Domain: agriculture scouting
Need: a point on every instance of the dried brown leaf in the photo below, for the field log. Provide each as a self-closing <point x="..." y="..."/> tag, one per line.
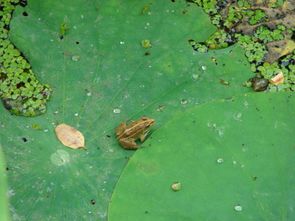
<point x="278" y="79"/>
<point x="289" y="5"/>
<point x="277" y="49"/>
<point x="69" y="136"/>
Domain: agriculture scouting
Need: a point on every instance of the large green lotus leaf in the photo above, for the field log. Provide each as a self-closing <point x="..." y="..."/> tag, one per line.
<point x="3" y="190"/>
<point x="101" y="75"/>
<point x="234" y="159"/>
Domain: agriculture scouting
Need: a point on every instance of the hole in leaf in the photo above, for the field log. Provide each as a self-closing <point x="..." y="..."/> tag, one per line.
<point x="25" y="14"/>
<point x="93" y="202"/>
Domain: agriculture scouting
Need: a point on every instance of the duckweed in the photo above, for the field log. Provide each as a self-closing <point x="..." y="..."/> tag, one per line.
<point x="146" y="43"/>
<point x="20" y="90"/>
<point x="265" y="30"/>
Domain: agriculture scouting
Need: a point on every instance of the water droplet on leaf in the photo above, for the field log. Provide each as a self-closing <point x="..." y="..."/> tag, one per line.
<point x="160" y="108"/>
<point x="219" y="160"/>
<point x="238" y="208"/>
<point x="204" y="68"/>
<point x="117" y="111"/>
<point x="75" y="58"/>
<point x="195" y="76"/>
<point x="183" y="101"/>
<point x="176" y="186"/>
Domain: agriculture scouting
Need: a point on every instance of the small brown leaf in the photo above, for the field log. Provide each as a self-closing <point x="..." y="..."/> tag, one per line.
<point x="288" y="5"/>
<point x="277" y="49"/>
<point x="278" y="79"/>
<point x="69" y="136"/>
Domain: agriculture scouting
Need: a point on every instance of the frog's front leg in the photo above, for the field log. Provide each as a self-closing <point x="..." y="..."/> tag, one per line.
<point x="128" y="143"/>
<point x="144" y="135"/>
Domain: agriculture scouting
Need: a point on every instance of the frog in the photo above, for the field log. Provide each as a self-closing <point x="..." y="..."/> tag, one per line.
<point x="128" y="134"/>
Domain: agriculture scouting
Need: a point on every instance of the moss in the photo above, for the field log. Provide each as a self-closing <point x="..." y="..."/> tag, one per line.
<point x="20" y="90"/>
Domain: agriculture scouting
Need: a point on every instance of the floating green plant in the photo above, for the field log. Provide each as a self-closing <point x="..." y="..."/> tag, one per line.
<point x="265" y="30"/>
<point x="20" y="90"/>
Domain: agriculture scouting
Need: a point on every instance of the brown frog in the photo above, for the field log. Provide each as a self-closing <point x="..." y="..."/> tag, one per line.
<point x="128" y="134"/>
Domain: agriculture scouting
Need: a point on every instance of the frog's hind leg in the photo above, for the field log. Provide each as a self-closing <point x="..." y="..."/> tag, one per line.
<point x="128" y="143"/>
<point x="120" y="129"/>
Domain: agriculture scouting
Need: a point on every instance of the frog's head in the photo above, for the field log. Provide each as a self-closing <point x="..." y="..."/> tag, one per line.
<point x="147" y="121"/>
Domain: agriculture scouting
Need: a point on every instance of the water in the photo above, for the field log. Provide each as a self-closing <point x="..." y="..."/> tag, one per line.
<point x="238" y="208"/>
<point x="116" y="111"/>
<point x="220" y="160"/>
